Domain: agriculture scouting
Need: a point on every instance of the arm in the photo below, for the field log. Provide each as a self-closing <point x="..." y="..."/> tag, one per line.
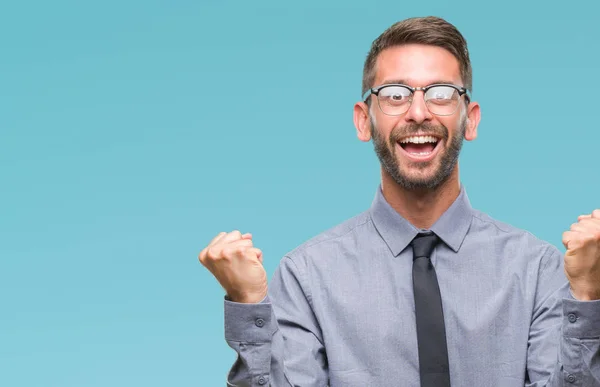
<point x="564" y="338"/>
<point x="278" y="341"/>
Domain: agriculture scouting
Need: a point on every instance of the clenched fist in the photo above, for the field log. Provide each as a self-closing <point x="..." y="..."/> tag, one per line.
<point x="582" y="259"/>
<point x="237" y="265"/>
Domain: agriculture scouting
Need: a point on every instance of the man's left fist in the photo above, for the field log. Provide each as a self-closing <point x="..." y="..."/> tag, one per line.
<point x="582" y="259"/>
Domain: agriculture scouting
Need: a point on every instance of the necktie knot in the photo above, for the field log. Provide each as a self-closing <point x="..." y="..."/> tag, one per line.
<point x="423" y="244"/>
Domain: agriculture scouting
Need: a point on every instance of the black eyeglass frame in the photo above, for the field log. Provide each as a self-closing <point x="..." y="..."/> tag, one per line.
<point x="375" y="91"/>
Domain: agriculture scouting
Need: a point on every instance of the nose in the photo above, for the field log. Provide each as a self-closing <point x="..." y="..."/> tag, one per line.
<point x="418" y="111"/>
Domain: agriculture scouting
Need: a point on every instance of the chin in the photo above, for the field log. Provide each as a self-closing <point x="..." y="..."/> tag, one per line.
<point x="411" y="177"/>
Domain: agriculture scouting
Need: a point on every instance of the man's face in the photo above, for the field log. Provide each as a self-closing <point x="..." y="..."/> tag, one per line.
<point x="418" y="149"/>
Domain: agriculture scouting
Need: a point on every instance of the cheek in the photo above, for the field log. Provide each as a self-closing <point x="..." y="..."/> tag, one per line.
<point x="454" y="125"/>
<point x="382" y="126"/>
<point x="386" y="124"/>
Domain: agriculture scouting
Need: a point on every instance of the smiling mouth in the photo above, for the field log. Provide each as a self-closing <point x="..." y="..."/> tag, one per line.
<point x="422" y="145"/>
<point x="420" y="148"/>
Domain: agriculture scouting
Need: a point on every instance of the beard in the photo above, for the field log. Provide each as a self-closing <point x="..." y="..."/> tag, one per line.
<point x="386" y="152"/>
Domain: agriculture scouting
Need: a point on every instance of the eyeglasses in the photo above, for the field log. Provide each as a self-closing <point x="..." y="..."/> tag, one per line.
<point x="441" y="99"/>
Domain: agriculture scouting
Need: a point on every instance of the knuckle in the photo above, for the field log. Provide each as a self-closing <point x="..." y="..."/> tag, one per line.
<point x="212" y="253"/>
<point x="227" y="252"/>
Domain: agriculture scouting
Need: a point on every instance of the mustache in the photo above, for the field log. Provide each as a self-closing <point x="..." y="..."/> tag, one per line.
<point x="409" y="130"/>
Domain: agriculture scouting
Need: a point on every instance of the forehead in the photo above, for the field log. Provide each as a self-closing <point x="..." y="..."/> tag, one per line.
<point x="417" y="65"/>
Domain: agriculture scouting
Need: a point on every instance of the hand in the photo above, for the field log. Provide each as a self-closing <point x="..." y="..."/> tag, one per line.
<point x="582" y="259"/>
<point x="237" y="265"/>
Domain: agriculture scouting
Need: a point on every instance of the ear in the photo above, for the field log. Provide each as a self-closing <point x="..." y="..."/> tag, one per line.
<point x="362" y="122"/>
<point x="473" y="118"/>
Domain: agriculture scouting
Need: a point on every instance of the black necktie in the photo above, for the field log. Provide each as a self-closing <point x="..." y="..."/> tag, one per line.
<point x="431" y="332"/>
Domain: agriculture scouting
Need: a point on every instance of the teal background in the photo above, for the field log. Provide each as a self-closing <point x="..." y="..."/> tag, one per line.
<point x="132" y="132"/>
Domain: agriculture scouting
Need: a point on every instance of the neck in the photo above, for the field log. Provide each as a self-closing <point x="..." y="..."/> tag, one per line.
<point x="422" y="208"/>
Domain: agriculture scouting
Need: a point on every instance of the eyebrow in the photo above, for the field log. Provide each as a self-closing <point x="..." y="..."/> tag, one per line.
<point x="405" y="82"/>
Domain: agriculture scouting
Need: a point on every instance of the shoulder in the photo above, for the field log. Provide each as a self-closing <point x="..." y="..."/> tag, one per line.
<point x="504" y="235"/>
<point x="334" y="239"/>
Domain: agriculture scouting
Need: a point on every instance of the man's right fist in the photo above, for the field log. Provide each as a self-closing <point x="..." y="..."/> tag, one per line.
<point x="237" y="265"/>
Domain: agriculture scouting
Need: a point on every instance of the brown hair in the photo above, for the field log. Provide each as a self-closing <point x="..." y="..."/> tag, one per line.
<point x="429" y="30"/>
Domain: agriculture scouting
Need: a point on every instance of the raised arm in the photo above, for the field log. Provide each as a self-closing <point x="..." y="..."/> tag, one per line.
<point x="564" y="341"/>
<point x="274" y="332"/>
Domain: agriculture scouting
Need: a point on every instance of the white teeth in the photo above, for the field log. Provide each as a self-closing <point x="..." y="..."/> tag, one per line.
<point x="419" y="139"/>
<point x="420" y="153"/>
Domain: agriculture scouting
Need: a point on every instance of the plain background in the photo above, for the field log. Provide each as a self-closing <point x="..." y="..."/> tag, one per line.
<point x="132" y="132"/>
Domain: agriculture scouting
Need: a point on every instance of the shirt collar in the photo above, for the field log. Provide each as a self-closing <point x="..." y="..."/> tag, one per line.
<point x="397" y="232"/>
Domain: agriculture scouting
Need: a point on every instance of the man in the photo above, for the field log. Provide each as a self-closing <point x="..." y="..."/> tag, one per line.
<point x="421" y="289"/>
